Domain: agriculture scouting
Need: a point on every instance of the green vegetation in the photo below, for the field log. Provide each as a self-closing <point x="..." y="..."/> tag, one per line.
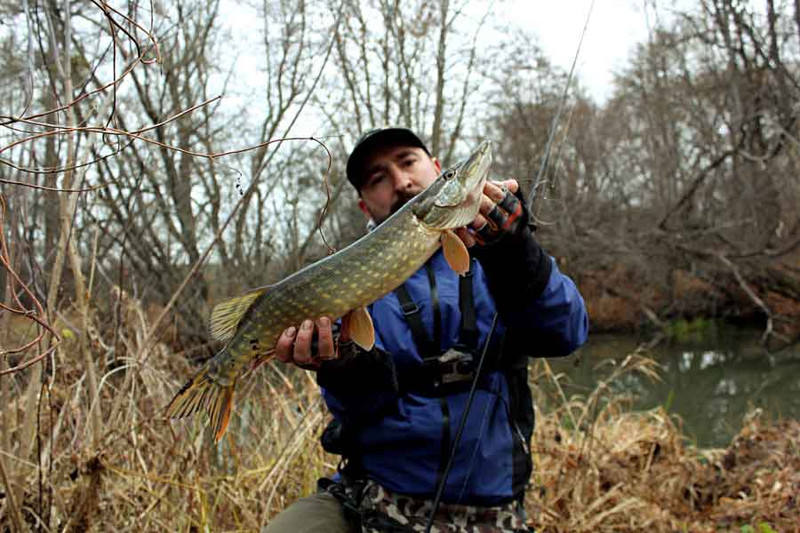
<point x="762" y="527"/>
<point x="694" y="330"/>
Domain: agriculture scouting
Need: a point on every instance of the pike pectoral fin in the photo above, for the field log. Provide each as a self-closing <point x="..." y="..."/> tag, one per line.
<point x="203" y="393"/>
<point x="357" y="325"/>
<point x="455" y="251"/>
<point x="226" y="316"/>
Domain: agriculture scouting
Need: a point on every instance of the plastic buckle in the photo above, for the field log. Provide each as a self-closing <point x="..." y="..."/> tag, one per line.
<point x="455" y="366"/>
<point x="409" y="309"/>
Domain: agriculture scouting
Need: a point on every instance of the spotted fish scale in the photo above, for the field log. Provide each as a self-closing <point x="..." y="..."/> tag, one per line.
<point x="340" y="285"/>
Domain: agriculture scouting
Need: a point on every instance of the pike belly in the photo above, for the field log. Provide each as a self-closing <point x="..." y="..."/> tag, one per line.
<point x="351" y="278"/>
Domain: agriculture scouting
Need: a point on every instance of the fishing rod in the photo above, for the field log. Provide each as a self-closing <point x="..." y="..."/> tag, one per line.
<point x="461" y="424"/>
<point x="557" y="117"/>
<point x="539" y="177"/>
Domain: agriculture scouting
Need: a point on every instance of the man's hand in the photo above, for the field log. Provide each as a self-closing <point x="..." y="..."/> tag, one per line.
<point x="499" y="213"/>
<point x="297" y="345"/>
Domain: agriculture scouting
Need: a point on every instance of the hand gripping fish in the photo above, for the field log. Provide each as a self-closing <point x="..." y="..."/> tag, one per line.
<point x="340" y="285"/>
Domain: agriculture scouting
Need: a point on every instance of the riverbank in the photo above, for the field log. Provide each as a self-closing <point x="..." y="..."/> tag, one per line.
<point x="637" y="474"/>
<point x="624" y="300"/>
<point x="711" y="375"/>
<point x="635" y="471"/>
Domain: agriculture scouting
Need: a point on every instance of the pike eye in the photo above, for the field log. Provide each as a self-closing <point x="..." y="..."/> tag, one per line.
<point x="450" y="174"/>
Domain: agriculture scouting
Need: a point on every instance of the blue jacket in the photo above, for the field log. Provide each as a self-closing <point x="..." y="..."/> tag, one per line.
<point x="402" y="439"/>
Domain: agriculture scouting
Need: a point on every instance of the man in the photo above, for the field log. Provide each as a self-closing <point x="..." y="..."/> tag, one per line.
<point x="397" y="409"/>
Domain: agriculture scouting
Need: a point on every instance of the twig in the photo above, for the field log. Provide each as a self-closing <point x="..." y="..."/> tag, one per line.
<point x="751" y="293"/>
<point x="116" y="81"/>
<point x="699" y="179"/>
<point x="38" y="316"/>
<point x="16" y="517"/>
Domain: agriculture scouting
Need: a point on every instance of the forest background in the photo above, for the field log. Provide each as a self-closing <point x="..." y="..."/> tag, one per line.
<point x="144" y="178"/>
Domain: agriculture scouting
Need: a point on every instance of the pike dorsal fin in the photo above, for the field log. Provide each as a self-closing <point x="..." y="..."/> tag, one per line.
<point x="455" y="251"/>
<point x="357" y="325"/>
<point x="226" y="315"/>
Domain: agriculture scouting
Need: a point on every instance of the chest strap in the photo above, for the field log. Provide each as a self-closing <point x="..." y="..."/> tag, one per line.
<point x="413" y="316"/>
<point x="468" y="331"/>
<point x="443" y="371"/>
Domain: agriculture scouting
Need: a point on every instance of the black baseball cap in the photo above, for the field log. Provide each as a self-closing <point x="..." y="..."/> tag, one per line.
<point x="376" y="137"/>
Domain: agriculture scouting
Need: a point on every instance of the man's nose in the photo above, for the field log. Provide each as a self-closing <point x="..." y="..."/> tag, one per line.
<point x="401" y="180"/>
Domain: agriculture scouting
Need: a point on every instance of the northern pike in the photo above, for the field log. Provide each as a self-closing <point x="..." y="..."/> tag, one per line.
<point x="340" y="285"/>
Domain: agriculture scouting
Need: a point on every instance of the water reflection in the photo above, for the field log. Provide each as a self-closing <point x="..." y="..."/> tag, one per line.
<point x="710" y="382"/>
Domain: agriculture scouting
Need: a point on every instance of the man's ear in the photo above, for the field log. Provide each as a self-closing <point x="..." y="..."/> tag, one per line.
<point x="437" y="164"/>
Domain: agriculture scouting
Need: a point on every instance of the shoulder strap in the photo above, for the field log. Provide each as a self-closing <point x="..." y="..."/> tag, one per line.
<point x="468" y="331"/>
<point x="437" y="313"/>
<point x="412" y="314"/>
<point x="468" y="334"/>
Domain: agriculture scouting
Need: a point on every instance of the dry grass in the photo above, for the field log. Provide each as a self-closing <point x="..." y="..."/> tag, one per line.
<point x="147" y="473"/>
<point x="599" y="468"/>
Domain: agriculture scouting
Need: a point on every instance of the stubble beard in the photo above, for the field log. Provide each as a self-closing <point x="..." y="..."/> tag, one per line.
<point x="403" y="198"/>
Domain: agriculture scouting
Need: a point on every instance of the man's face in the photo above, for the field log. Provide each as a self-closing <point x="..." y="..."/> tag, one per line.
<point x="393" y="175"/>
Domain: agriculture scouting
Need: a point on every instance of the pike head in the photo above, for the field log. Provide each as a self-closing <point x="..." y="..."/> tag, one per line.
<point x="453" y="200"/>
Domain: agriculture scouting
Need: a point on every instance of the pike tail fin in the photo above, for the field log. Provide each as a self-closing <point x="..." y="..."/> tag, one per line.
<point x="203" y="393"/>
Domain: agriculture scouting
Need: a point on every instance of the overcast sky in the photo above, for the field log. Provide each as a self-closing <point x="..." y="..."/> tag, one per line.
<point x="615" y="27"/>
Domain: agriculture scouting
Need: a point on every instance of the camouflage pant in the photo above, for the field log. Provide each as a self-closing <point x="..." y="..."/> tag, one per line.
<point x="333" y="510"/>
<point x="384" y="511"/>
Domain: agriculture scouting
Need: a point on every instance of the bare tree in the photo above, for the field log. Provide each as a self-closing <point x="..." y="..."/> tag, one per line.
<point x="685" y="172"/>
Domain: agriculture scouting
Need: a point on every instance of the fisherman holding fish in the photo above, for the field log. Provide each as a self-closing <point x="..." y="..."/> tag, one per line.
<point x="444" y="344"/>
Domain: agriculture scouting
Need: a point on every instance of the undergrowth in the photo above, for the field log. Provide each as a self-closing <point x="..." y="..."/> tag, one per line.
<point x="598" y="466"/>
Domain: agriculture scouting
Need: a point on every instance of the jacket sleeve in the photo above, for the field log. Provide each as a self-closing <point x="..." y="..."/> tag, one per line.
<point x="532" y="296"/>
<point x="360" y="386"/>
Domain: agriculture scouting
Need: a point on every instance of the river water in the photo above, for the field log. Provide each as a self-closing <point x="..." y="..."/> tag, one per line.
<point x="709" y="379"/>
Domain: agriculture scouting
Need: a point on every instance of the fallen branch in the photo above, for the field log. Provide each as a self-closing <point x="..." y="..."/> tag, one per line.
<point x="768" y="331"/>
